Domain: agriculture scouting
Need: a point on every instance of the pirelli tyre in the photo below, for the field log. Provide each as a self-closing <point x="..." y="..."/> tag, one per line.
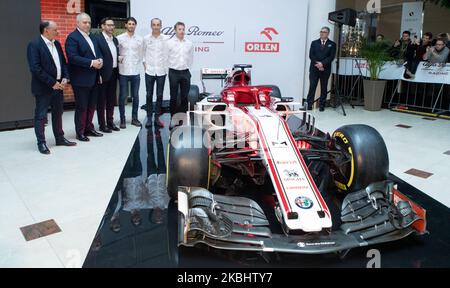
<point x="188" y="159"/>
<point x="369" y="159"/>
<point x="193" y="97"/>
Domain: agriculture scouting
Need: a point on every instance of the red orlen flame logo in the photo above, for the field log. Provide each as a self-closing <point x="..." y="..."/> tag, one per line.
<point x="267" y="31"/>
<point x="264" y="47"/>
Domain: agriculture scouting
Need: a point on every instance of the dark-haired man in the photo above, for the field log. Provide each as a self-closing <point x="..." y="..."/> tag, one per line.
<point x="438" y="53"/>
<point x="155" y="63"/>
<point x="321" y="54"/>
<point x="49" y="76"/>
<point x="130" y="59"/>
<point x="109" y="46"/>
<point x="180" y="58"/>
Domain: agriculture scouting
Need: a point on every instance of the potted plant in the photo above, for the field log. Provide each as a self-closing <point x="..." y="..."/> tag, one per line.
<point x="376" y="54"/>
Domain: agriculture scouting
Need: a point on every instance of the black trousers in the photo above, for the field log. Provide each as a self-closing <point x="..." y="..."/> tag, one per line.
<point x="56" y="101"/>
<point x="85" y="106"/>
<point x="150" y="85"/>
<point x="107" y="98"/>
<point x="314" y="77"/>
<point x="180" y="80"/>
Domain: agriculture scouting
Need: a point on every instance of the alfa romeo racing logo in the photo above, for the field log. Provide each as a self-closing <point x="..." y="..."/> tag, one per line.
<point x="303" y="202"/>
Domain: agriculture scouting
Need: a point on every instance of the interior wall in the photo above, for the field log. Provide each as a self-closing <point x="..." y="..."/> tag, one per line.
<point x="21" y="18"/>
<point x="436" y="18"/>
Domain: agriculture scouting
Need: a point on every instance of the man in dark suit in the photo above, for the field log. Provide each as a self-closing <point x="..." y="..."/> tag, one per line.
<point x="109" y="47"/>
<point x="322" y="54"/>
<point x="85" y="62"/>
<point x="49" y="76"/>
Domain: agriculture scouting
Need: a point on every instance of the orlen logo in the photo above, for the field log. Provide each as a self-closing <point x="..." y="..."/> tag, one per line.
<point x="264" y="47"/>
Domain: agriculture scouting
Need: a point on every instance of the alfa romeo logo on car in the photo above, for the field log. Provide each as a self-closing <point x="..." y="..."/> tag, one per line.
<point x="303" y="202"/>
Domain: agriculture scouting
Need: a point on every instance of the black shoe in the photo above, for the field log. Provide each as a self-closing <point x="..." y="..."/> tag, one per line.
<point x="309" y="107"/>
<point x="148" y="124"/>
<point x="65" y="142"/>
<point x="83" y="138"/>
<point x="321" y="109"/>
<point x="144" y="107"/>
<point x="136" y="123"/>
<point x="113" y="127"/>
<point x="122" y="124"/>
<point x="105" y="130"/>
<point x="43" y="149"/>
<point x="93" y="133"/>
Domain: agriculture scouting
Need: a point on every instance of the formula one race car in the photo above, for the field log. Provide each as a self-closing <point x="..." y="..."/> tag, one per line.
<point x="250" y="171"/>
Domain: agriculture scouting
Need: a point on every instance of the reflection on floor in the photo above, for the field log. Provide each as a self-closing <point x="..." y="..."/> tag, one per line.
<point x="73" y="187"/>
<point x="139" y="228"/>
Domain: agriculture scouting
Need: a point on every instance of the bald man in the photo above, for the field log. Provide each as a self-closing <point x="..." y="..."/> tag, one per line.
<point x="49" y="77"/>
<point x="85" y="61"/>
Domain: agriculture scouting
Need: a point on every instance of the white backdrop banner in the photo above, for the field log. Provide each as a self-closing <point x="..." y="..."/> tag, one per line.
<point x="412" y="18"/>
<point x="268" y="34"/>
<point x="426" y="72"/>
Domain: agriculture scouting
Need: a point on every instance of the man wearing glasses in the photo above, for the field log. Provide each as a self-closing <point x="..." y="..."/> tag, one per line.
<point x="109" y="45"/>
<point x="321" y="53"/>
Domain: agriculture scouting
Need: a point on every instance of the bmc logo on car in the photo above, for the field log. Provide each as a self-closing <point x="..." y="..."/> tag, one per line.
<point x="264" y="47"/>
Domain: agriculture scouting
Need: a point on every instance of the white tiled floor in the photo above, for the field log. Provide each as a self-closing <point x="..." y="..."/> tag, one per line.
<point x="73" y="185"/>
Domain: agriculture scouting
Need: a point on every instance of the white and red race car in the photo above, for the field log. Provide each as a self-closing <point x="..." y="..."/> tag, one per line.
<point x="250" y="171"/>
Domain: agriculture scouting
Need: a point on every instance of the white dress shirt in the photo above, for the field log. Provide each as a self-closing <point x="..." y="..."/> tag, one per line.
<point x="89" y="41"/>
<point x="181" y="53"/>
<point x="131" y="49"/>
<point x="54" y="52"/>
<point x="112" y="48"/>
<point x="155" y="55"/>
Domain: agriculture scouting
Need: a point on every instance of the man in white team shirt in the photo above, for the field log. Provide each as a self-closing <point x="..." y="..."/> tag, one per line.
<point x="155" y="65"/>
<point x="180" y="58"/>
<point x="130" y="59"/>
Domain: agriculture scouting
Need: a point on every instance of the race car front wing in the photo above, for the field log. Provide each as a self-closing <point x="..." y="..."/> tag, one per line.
<point x="374" y="215"/>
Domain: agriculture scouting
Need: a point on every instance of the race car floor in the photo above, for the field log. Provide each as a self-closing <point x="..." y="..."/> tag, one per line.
<point x="131" y="233"/>
<point x="81" y="189"/>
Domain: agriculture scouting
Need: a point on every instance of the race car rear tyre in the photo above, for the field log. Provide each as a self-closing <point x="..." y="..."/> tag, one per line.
<point x="193" y="97"/>
<point x="188" y="159"/>
<point x="369" y="161"/>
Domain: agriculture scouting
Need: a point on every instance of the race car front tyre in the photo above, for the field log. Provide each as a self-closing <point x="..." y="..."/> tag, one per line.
<point x="369" y="159"/>
<point x="188" y="159"/>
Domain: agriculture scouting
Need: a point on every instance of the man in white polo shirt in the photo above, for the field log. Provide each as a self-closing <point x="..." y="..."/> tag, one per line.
<point x="155" y="64"/>
<point x="130" y="59"/>
<point x="180" y="58"/>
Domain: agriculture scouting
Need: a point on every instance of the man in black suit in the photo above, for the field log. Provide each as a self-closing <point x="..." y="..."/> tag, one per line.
<point x="109" y="47"/>
<point x="85" y="62"/>
<point x="49" y="76"/>
<point x="322" y="54"/>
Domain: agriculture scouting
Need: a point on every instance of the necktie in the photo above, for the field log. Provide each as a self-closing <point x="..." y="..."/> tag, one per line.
<point x="323" y="44"/>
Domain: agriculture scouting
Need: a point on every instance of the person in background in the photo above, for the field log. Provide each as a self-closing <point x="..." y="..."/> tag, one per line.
<point x="380" y="38"/>
<point x="155" y="65"/>
<point x="130" y="59"/>
<point x="438" y="53"/>
<point x="85" y="62"/>
<point x="49" y="77"/>
<point x="180" y="58"/>
<point x="322" y="54"/>
<point x="109" y="46"/>
<point x="404" y="48"/>
<point x="421" y="49"/>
